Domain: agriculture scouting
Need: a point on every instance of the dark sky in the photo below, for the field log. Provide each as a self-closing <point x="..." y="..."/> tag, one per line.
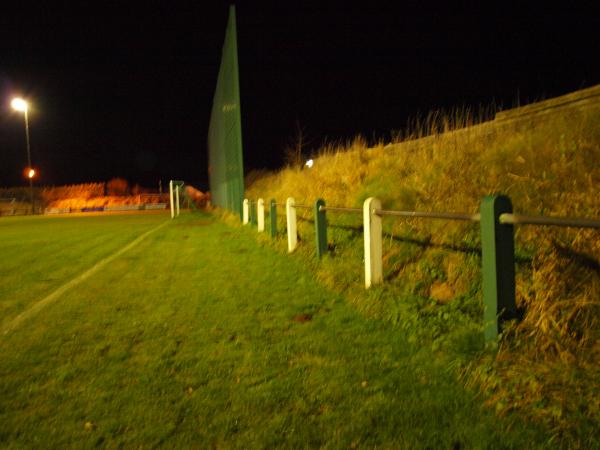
<point x="125" y="89"/>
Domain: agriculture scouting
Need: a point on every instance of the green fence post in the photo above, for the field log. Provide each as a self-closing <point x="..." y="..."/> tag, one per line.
<point x="320" y="228"/>
<point x="498" y="265"/>
<point x="253" y="212"/>
<point x="273" y="215"/>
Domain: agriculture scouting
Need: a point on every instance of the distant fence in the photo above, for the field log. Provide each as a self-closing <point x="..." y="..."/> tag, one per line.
<point x="12" y="206"/>
<point x="496" y="221"/>
<point x="20" y="210"/>
<point x="142" y="207"/>
<point x="8" y="206"/>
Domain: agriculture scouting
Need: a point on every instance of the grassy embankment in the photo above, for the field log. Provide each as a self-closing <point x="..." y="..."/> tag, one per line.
<point x="199" y="338"/>
<point x="548" y="365"/>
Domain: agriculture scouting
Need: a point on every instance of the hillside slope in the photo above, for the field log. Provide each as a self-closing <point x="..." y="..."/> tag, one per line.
<point x="546" y="157"/>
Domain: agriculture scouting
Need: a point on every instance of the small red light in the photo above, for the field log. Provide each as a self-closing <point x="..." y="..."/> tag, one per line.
<point x="29" y="172"/>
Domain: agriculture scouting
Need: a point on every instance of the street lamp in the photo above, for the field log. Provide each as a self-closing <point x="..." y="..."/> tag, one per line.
<point x="21" y="105"/>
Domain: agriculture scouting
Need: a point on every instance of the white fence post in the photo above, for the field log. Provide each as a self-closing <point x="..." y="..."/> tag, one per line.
<point x="171" y="198"/>
<point x="373" y="246"/>
<point x="177" y="199"/>
<point x="260" y="209"/>
<point x="290" y="214"/>
<point x="245" y="212"/>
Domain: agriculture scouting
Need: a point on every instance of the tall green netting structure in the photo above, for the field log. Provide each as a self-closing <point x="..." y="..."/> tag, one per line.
<point x="226" y="165"/>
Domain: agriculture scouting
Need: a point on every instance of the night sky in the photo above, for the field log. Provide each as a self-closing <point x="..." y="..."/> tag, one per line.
<point x="125" y="89"/>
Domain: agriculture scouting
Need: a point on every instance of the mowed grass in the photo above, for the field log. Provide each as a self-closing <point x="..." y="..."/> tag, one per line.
<point x="41" y="253"/>
<point x="199" y="337"/>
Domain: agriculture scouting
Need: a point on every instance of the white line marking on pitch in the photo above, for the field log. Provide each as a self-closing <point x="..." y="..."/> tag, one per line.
<point x="37" y="307"/>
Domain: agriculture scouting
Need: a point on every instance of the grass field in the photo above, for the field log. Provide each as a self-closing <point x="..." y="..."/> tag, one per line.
<point x="200" y="337"/>
<point x="41" y="254"/>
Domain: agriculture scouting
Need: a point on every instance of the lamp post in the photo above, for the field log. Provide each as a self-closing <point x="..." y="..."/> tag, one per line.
<point x="21" y="105"/>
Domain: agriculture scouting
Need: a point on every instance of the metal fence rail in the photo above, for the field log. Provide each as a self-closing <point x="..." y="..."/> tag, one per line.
<point x="409" y="214"/>
<point x="520" y="219"/>
<point x="429" y="215"/>
<point x="340" y="209"/>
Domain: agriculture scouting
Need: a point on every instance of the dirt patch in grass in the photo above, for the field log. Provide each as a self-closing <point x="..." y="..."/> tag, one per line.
<point x="301" y="318"/>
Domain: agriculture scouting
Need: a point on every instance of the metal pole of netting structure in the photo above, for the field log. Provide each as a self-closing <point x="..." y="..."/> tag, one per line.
<point x="177" y="199"/>
<point x="236" y="156"/>
<point x="29" y="166"/>
<point x="171" y="199"/>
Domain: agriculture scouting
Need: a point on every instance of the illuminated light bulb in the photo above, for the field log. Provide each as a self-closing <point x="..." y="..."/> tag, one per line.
<point x="19" y="104"/>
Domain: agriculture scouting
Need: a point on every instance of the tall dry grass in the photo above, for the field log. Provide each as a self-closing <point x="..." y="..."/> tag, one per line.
<point x="548" y="165"/>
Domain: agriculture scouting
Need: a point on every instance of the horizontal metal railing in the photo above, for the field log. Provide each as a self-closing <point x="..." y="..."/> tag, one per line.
<point x="340" y="209"/>
<point x="513" y="219"/>
<point x="506" y="218"/>
<point x="520" y="219"/>
<point x="424" y="214"/>
<point x="429" y="215"/>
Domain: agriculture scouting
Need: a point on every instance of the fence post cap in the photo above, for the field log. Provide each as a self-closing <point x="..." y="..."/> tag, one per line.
<point x="372" y="202"/>
<point x="492" y="199"/>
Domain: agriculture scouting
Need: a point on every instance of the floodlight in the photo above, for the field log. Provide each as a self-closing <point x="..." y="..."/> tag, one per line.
<point x="19" y="104"/>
